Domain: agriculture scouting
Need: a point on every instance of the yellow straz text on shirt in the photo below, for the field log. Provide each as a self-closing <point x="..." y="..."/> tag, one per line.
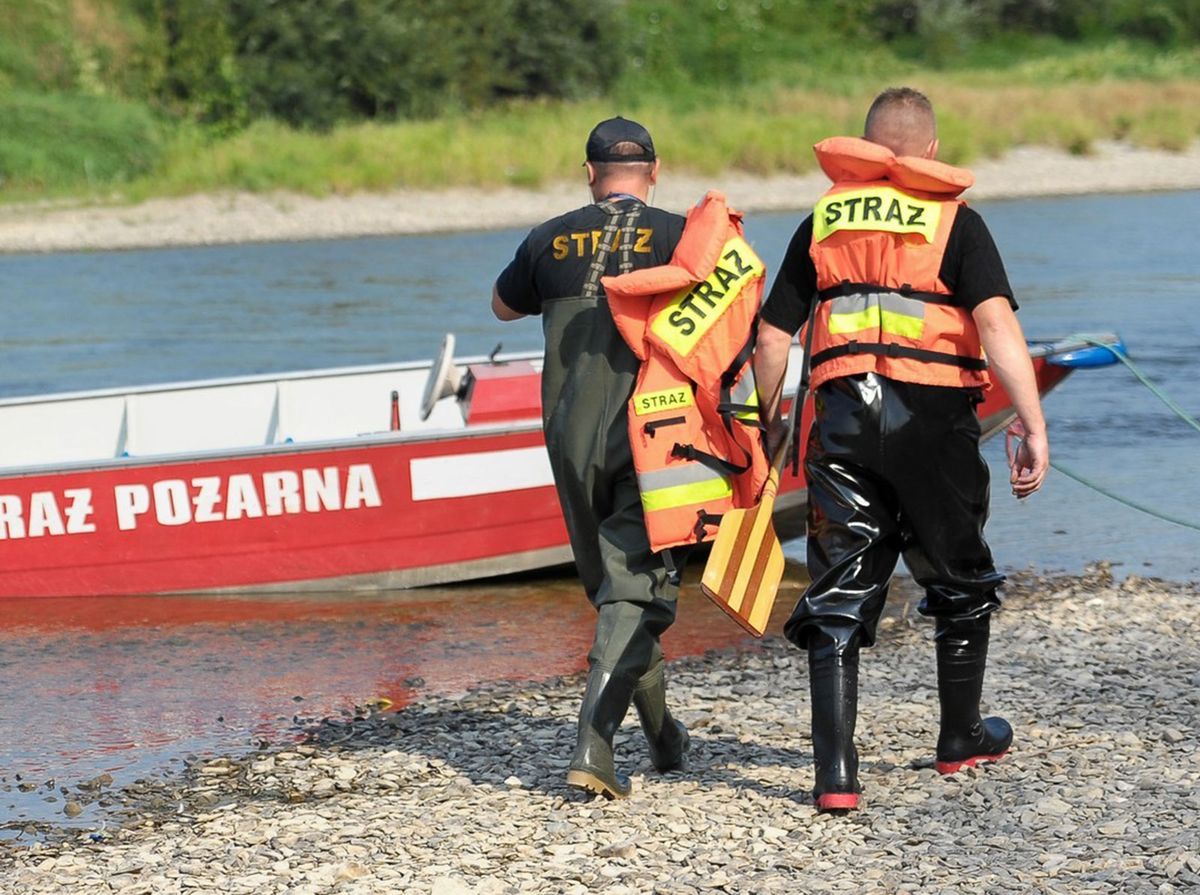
<point x="586" y="244"/>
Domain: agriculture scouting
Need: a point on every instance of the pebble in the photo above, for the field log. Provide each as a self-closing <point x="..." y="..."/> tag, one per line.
<point x="464" y="795"/>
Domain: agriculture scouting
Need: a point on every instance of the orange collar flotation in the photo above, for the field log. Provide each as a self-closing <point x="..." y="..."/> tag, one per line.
<point x="857" y="160"/>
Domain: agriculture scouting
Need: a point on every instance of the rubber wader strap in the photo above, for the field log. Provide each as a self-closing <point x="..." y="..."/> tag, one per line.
<point x="615" y="224"/>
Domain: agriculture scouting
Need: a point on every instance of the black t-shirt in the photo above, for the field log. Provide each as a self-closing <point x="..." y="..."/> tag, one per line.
<point x="971" y="269"/>
<point x="553" y="260"/>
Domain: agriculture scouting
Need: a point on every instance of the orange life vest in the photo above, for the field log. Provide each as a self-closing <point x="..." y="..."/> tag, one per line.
<point x="879" y="236"/>
<point x="693" y="418"/>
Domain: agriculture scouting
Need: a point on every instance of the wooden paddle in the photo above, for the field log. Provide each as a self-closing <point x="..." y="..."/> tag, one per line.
<point x="745" y="564"/>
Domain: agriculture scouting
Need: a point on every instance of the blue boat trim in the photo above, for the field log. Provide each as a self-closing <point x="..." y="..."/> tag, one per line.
<point x="1091" y="356"/>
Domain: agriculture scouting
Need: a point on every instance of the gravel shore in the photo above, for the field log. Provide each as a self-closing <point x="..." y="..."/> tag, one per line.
<point x="246" y="217"/>
<point x="1101" y="793"/>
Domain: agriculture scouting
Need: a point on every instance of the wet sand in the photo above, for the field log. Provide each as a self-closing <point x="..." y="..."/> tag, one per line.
<point x="148" y="682"/>
<point x="465" y="794"/>
<point x="246" y="217"/>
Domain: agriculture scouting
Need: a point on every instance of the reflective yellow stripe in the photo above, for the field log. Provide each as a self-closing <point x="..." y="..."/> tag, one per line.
<point x="667" y="399"/>
<point x="745" y="392"/>
<point x="875" y="208"/>
<point x="668" y="498"/>
<point x="695" y="310"/>
<point x="903" y="325"/>
<point x="749" y="415"/>
<point x="887" y="311"/>
<point x="856" y="322"/>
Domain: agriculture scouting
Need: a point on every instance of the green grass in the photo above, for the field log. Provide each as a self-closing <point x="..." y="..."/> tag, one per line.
<point x="1044" y="93"/>
<point x="54" y="144"/>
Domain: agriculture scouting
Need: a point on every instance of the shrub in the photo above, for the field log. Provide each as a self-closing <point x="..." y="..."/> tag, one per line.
<point x="316" y="62"/>
<point x="201" y="79"/>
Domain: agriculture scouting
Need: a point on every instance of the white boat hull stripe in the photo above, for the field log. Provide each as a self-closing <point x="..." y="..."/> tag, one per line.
<point x="487" y="472"/>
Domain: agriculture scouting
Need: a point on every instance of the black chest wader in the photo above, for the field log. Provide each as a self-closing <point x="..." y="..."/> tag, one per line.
<point x="587" y="380"/>
<point x="893" y="470"/>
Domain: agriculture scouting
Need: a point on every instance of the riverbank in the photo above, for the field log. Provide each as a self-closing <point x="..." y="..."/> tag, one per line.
<point x="1101" y="792"/>
<point x="247" y="217"/>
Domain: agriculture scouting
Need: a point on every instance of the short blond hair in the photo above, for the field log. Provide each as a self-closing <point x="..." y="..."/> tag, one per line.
<point x="901" y="119"/>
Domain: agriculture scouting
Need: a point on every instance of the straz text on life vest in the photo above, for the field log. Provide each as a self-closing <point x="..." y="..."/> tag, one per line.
<point x="694" y="311"/>
<point x="666" y="399"/>
<point x="875" y="208"/>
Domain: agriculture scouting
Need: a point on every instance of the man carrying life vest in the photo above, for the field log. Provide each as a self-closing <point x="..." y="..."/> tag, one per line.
<point x="909" y="311"/>
<point x="587" y="380"/>
<point x="694" y="424"/>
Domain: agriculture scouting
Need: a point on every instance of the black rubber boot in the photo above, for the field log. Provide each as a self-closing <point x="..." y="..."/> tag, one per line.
<point x="666" y="737"/>
<point x="833" y="681"/>
<point x="965" y="738"/>
<point x="605" y="703"/>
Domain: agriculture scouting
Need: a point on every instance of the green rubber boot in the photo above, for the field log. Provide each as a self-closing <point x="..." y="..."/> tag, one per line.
<point x="666" y="737"/>
<point x="605" y="703"/>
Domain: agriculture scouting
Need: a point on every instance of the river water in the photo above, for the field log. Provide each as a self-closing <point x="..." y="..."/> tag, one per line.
<point x="134" y="686"/>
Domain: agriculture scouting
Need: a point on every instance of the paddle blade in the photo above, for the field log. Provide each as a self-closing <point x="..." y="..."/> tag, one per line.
<point x="745" y="566"/>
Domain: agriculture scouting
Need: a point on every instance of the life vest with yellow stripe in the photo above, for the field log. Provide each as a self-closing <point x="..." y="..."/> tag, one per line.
<point x="879" y="236"/>
<point x="693" y="417"/>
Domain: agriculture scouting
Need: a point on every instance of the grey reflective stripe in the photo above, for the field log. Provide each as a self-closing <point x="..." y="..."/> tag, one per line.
<point x="628" y="232"/>
<point x="898" y="304"/>
<point x="887" y="301"/>
<point x="683" y="474"/>
<point x="743" y="389"/>
<point x="625" y="262"/>
<point x="850" y="304"/>
<point x="591" y="285"/>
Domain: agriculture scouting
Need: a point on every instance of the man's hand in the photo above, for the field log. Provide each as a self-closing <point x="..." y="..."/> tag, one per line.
<point x="775" y="435"/>
<point x="1029" y="462"/>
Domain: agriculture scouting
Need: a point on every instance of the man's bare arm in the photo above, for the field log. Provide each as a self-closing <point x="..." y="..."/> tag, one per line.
<point x="1008" y="357"/>
<point x="770" y="365"/>
<point x="501" y="310"/>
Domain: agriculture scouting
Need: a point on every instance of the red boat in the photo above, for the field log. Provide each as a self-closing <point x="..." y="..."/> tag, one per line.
<point x="359" y="478"/>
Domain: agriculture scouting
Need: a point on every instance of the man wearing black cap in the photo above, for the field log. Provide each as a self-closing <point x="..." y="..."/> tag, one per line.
<point x="587" y="380"/>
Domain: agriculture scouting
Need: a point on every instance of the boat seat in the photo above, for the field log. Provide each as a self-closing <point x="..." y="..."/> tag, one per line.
<point x="501" y="392"/>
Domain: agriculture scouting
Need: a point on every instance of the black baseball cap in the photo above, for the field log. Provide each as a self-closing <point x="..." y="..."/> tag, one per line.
<point x="607" y="134"/>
